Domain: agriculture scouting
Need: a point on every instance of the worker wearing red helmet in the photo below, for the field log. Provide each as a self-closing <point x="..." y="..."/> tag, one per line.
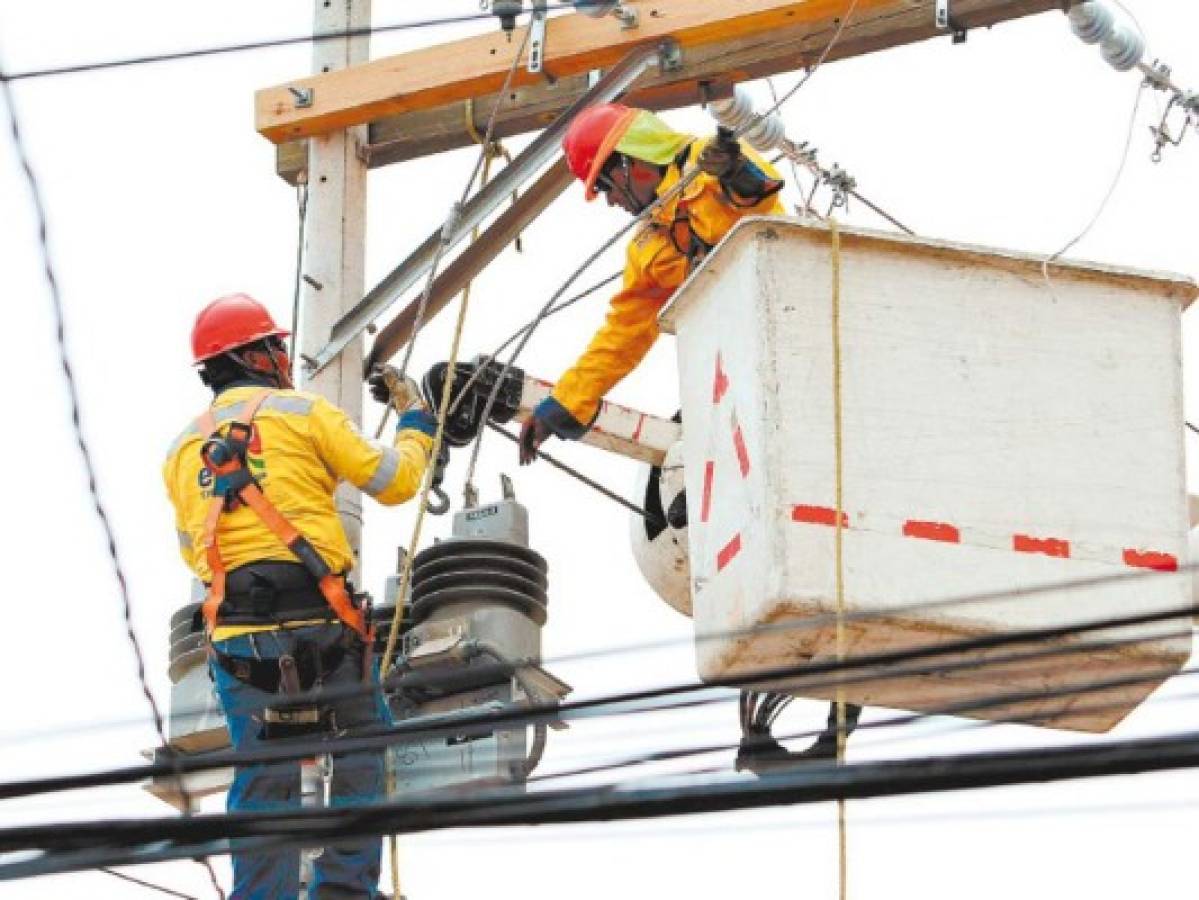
<point x="634" y="158"/>
<point x="252" y="481"/>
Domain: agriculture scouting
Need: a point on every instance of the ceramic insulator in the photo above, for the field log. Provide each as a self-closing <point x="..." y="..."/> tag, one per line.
<point x="1124" y="48"/>
<point x="597" y="9"/>
<point x="1092" y="22"/>
<point x="738" y="111"/>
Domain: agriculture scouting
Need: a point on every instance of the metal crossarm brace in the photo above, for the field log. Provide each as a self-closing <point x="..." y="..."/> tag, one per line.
<point x="495" y="193"/>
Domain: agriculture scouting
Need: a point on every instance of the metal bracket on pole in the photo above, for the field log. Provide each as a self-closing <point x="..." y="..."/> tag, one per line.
<point x="497" y="192"/>
<point x="946" y="22"/>
<point x="537" y="37"/>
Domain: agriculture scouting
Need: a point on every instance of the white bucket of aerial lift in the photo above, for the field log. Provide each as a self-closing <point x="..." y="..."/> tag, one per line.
<point x="998" y="434"/>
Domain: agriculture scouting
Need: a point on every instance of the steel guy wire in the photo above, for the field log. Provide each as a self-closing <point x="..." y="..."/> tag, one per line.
<point x="864" y="730"/>
<point x="1024" y="593"/>
<point x="583" y="479"/>
<point x="442" y="411"/>
<point x="674" y="831"/>
<point x="618" y="801"/>
<point x="302" y="221"/>
<point x="85" y="453"/>
<point x="774" y="95"/>
<point x="456" y="213"/>
<point x="47" y="863"/>
<point x="684" y="180"/>
<point x="488" y="360"/>
<point x="249" y="46"/>
<point x="962" y="708"/>
<point x="1132" y="121"/>
<point x="374" y="738"/>
<point x="149" y="885"/>
<point x="1008" y="661"/>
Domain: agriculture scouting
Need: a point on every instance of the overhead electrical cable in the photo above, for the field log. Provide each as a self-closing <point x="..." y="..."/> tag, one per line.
<point x="676" y="190"/>
<point x="81" y="442"/>
<point x="943" y="669"/>
<point x="171" y="838"/>
<point x="1115" y="183"/>
<point x="379" y="736"/>
<point x="484" y="362"/>
<point x="963" y="708"/>
<point x="860" y="617"/>
<point x="146" y="884"/>
<point x="266" y="44"/>
<point x="481" y="164"/>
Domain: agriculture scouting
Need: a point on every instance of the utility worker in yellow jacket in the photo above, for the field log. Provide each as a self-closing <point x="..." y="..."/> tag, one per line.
<point x="252" y="481"/>
<point x="634" y="158"/>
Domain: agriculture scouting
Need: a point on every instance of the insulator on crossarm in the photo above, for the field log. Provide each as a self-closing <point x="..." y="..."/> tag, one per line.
<point x="1092" y="22"/>
<point x="735" y="112"/>
<point x="738" y="111"/>
<point x="768" y="134"/>
<point x="1124" y="48"/>
<point x="597" y="9"/>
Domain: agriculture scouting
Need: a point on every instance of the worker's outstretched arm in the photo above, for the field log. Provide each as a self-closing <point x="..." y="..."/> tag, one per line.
<point x="653" y="273"/>
<point x="390" y="475"/>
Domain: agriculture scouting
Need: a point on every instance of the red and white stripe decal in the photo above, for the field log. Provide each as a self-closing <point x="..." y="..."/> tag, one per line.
<point x="720" y="389"/>
<point x="720" y="382"/>
<point x="709" y="476"/>
<point x="740" y="449"/>
<point x="950" y="533"/>
<point x="728" y="553"/>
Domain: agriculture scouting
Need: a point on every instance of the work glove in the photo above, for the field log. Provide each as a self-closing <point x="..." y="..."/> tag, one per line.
<point x="739" y="175"/>
<point x="387" y="387"/>
<point x="721" y="156"/>
<point x="533" y="434"/>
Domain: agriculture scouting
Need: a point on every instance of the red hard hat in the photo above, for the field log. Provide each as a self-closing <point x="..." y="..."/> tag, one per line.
<point x="591" y="139"/>
<point x="230" y="322"/>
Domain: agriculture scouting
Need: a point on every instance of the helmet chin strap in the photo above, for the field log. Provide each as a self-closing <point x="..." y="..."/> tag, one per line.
<point x="277" y="373"/>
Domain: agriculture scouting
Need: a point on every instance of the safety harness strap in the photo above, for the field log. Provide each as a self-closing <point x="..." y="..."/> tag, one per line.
<point x="233" y="472"/>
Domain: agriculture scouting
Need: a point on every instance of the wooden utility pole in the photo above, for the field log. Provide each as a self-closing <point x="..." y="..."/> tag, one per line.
<point x="335" y="241"/>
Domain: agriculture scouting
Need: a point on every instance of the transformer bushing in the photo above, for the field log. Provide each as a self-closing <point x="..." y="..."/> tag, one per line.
<point x="472" y="643"/>
<point x="196" y="723"/>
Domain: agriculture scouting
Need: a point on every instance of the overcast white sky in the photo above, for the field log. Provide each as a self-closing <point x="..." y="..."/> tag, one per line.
<point x="161" y="197"/>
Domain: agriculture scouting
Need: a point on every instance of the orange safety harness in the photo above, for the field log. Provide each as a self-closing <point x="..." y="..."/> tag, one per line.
<point x="234" y="485"/>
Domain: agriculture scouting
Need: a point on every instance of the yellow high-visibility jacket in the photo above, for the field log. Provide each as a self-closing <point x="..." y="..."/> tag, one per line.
<point x="303" y="446"/>
<point x="654" y="269"/>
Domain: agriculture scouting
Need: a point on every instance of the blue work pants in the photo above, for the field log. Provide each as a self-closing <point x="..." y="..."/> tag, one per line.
<point x="348" y="868"/>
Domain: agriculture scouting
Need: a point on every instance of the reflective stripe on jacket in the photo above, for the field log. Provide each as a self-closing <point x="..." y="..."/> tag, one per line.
<point x="303" y="446"/>
<point x="654" y="269"/>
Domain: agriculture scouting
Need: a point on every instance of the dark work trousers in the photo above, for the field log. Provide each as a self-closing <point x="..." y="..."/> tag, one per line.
<point x="347" y="868"/>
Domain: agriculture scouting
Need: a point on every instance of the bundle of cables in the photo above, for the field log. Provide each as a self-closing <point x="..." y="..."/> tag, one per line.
<point x="760" y="753"/>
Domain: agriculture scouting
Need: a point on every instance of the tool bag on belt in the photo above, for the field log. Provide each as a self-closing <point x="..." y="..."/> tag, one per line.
<point x="234" y="486"/>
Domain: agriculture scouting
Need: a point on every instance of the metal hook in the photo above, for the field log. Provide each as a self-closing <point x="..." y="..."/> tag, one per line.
<point x="441" y="506"/>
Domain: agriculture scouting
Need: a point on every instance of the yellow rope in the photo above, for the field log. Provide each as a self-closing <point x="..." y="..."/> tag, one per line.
<point x="406" y="573"/>
<point x="426" y="487"/>
<point x="839" y="444"/>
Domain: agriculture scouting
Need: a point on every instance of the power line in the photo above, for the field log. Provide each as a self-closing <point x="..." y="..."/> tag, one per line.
<point x="957" y="708"/>
<point x="1026" y="592"/>
<point x="81" y="442"/>
<point x="146" y="884"/>
<point x="676" y="190"/>
<point x="962" y="708"/>
<point x="814" y="784"/>
<point x="374" y="738"/>
<point x="266" y="44"/>
<point x="200" y="52"/>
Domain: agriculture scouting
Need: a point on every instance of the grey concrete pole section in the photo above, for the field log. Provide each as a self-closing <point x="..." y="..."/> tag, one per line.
<point x="335" y="246"/>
